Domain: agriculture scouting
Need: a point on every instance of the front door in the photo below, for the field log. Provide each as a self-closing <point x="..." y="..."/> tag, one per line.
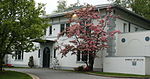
<point x="46" y="57"/>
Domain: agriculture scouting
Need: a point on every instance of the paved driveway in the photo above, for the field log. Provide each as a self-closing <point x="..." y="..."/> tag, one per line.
<point x="56" y="74"/>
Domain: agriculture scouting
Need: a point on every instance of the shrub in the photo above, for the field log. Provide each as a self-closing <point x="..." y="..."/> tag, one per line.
<point x="31" y="62"/>
<point x="80" y="68"/>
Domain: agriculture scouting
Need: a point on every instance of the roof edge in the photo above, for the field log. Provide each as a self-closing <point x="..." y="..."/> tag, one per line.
<point x="103" y="6"/>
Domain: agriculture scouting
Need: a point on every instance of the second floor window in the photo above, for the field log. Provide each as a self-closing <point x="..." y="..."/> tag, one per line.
<point x="50" y="30"/>
<point x="62" y="27"/>
<point x="136" y="29"/>
<point x="125" y="28"/>
<point x="67" y="25"/>
<point x="39" y="53"/>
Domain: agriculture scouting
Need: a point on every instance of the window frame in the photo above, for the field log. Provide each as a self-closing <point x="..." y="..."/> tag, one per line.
<point x="50" y="30"/>
<point x="62" y="27"/>
<point x="80" y="57"/>
<point x="19" y="55"/>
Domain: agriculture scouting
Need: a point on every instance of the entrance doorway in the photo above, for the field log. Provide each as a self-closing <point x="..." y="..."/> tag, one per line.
<point x="46" y="57"/>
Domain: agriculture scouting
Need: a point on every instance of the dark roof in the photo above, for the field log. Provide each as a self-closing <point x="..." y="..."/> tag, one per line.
<point x="103" y="6"/>
<point x="43" y="41"/>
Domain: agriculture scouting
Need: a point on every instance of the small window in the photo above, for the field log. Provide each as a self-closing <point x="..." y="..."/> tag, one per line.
<point x="78" y="56"/>
<point x="50" y="30"/>
<point x="39" y="53"/>
<point x="19" y="55"/>
<point x="82" y="56"/>
<point x="129" y="27"/>
<point x="62" y="27"/>
<point x="136" y="29"/>
<point x="125" y="29"/>
<point x="147" y="38"/>
<point x="123" y="40"/>
<point x="67" y="25"/>
<point x="54" y="53"/>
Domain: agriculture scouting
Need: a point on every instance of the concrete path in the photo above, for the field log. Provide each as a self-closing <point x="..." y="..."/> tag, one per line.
<point x="56" y="74"/>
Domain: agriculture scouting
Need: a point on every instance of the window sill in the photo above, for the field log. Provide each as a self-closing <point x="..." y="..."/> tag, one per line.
<point x="79" y="62"/>
<point x="18" y="60"/>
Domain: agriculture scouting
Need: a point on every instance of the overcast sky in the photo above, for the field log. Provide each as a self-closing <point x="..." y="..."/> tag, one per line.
<point x="51" y="5"/>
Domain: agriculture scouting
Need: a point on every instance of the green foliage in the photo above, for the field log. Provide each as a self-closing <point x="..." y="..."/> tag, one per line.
<point x="61" y="7"/>
<point x="13" y="75"/>
<point x="141" y="7"/>
<point x="31" y="62"/>
<point x="109" y="74"/>
<point x="19" y="23"/>
<point x="80" y="68"/>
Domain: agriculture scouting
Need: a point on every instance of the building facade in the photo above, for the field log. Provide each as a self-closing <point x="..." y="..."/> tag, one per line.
<point x="125" y="46"/>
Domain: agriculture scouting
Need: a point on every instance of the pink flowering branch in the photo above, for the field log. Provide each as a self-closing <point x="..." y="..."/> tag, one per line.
<point x="87" y="36"/>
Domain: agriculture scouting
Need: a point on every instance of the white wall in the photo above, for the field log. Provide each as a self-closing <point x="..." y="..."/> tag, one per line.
<point x="134" y="45"/>
<point x="70" y="61"/>
<point x="24" y="62"/>
<point x="55" y="29"/>
<point x="133" y="28"/>
<point x="42" y="46"/>
<point x="119" y="25"/>
<point x="147" y="65"/>
<point x="125" y="65"/>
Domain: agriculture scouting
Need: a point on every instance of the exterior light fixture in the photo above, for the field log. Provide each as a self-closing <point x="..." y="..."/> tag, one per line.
<point x="74" y="16"/>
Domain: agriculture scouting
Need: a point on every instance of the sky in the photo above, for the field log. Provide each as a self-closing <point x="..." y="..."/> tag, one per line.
<point x="51" y="5"/>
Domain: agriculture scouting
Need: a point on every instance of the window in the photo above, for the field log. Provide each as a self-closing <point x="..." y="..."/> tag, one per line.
<point x="125" y="28"/>
<point x="50" y="30"/>
<point x="39" y="53"/>
<point x="123" y="40"/>
<point x="78" y="56"/>
<point x="82" y="56"/>
<point x="19" y="55"/>
<point x="44" y="31"/>
<point x="129" y="27"/>
<point x="62" y="27"/>
<point x="67" y="25"/>
<point x="136" y="29"/>
<point x="54" y="53"/>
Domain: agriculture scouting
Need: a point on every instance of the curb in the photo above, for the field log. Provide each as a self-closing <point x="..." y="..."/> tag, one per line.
<point x="33" y="76"/>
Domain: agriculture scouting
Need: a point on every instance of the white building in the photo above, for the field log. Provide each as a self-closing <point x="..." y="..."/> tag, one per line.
<point x="129" y="52"/>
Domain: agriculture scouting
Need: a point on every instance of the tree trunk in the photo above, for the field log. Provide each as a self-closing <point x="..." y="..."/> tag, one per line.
<point x="91" y="62"/>
<point x="1" y="62"/>
<point x="1" y="65"/>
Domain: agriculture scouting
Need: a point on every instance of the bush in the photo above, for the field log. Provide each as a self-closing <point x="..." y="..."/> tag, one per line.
<point x="31" y="62"/>
<point x="82" y="68"/>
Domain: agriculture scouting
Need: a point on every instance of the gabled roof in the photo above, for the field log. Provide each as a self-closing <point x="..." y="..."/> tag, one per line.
<point x="103" y="6"/>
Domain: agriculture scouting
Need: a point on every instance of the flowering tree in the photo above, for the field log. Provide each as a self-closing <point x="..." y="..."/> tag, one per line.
<point x="88" y="33"/>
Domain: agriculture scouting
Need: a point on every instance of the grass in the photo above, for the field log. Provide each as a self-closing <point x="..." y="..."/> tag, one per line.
<point x="13" y="75"/>
<point x="118" y="74"/>
<point x="107" y="74"/>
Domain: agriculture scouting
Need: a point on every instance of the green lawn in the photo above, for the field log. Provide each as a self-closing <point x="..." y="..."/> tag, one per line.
<point x="107" y="74"/>
<point x="13" y="75"/>
<point x="118" y="74"/>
